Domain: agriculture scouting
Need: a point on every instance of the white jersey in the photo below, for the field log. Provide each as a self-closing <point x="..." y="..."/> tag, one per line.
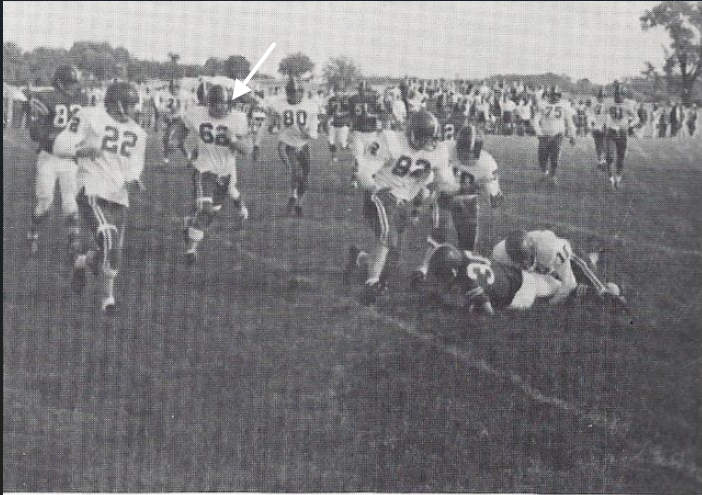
<point x="477" y="175"/>
<point x="167" y="103"/>
<point x="553" y="256"/>
<point x="552" y="119"/>
<point x="406" y="171"/>
<point x="621" y="116"/>
<point x="214" y="137"/>
<point x="123" y="150"/>
<point x="596" y="115"/>
<point x="298" y="122"/>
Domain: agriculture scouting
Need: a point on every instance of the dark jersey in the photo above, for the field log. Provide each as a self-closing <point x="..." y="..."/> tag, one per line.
<point x="500" y="283"/>
<point x="244" y="103"/>
<point x="50" y="113"/>
<point x="366" y="111"/>
<point x="339" y="110"/>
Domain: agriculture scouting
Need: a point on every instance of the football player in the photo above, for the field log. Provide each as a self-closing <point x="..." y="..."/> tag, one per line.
<point x="109" y="147"/>
<point x="170" y="110"/>
<point x="366" y="122"/>
<point x="298" y="118"/>
<point x="596" y="122"/>
<point x="50" y="113"/>
<point x="410" y="162"/>
<point x="620" y="116"/>
<point x="553" y="121"/>
<point x="474" y="172"/>
<point x="220" y="134"/>
<point x="339" y="114"/>
<point x="251" y="106"/>
<point x="473" y="282"/>
<point x="542" y="251"/>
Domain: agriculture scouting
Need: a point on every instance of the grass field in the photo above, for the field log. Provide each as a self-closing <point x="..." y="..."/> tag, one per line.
<point x="223" y="377"/>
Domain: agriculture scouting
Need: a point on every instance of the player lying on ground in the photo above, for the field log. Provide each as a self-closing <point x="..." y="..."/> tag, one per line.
<point x="110" y="149"/>
<point x="471" y="281"/>
<point x="542" y="251"/>
<point x="220" y="133"/>
<point x="474" y="172"/>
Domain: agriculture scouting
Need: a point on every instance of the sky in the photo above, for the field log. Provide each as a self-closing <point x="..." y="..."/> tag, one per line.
<point x="599" y="40"/>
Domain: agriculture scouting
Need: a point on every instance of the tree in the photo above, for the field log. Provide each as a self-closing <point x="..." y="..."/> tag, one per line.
<point x="98" y="58"/>
<point x="295" y="65"/>
<point x="214" y="66"/>
<point x="237" y="67"/>
<point x="683" y="22"/>
<point x="342" y="72"/>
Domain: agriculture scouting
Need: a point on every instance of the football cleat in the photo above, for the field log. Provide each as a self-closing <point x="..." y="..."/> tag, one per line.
<point x="191" y="257"/>
<point x="371" y="293"/>
<point x="417" y="279"/>
<point x="109" y="307"/>
<point x="351" y="263"/>
<point x="166" y="161"/>
<point x="33" y="240"/>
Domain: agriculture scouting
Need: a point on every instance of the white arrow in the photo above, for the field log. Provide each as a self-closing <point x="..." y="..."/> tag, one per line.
<point x="241" y="88"/>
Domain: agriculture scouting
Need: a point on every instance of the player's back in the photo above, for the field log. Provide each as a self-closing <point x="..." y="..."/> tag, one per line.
<point x="214" y="136"/>
<point x="50" y="113"/>
<point x="339" y="109"/>
<point x="499" y="282"/>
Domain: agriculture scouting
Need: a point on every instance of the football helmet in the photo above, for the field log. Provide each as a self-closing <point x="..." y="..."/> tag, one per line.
<point x="121" y="99"/>
<point x="521" y="248"/>
<point x="66" y="78"/>
<point x="468" y="143"/>
<point x="445" y="264"/>
<point x="218" y="100"/>
<point x="294" y="92"/>
<point x="554" y="94"/>
<point x="422" y="130"/>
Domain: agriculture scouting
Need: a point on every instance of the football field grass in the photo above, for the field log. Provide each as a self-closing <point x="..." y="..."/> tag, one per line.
<point x="225" y="376"/>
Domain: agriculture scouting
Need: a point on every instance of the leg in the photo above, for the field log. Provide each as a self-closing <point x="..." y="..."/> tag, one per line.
<point x="67" y="184"/>
<point x="303" y="175"/>
<point x="203" y="185"/>
<point x="46" y="176"/>
<point x="621" y="143"/>
<point x="543" y="153"/>
<point x="554" y="153"/>
<point x="464" y="210"/>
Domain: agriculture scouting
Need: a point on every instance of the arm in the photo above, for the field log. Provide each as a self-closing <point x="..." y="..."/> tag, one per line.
<point x="74" y="142"/>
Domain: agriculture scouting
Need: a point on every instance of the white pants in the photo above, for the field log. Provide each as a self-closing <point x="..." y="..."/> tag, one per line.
<point x="339" y="136"/>
<point x="50" y="168"/>
<point x="534" y="286"/>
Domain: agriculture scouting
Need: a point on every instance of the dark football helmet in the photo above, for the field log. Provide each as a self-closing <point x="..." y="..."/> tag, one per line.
<point x="422" y="130"/>
<point x="66" y="78"/>
<point x="520" y="248"/>
<point x="554" y="94"/>
<point x="294" y="92"/>
<point x="218" y="101"/>
<point x="445" y="264"/>
<point x="121" y="99"/>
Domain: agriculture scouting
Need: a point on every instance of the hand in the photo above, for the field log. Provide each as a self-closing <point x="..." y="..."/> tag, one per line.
<point x="496" y="200"/>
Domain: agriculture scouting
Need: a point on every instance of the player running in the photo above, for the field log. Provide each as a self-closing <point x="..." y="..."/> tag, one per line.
<point x="339" y="113"/>
<point x="220" y="134"/>
<point x="110" y="148"/>
<point x="552" y="122"/>
<point x="169" y="107"/>
<point x="408" y="170"/>
<point x="595" y="115"/>
<point x="298" y="117"/>
<point x="474" y="172"/>
<point x="620" y="116"/>
<point x="366" y="116"/>
<point x="51" y="113"/>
